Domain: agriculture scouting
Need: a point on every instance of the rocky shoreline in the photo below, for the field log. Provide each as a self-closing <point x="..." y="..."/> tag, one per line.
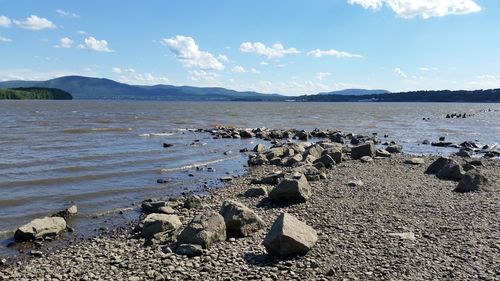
<point x="376" y="214"/>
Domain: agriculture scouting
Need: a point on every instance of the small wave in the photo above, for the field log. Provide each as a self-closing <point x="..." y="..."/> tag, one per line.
<point x="156" y="134"/>
<point x="195" y="165"/>
<point x="91" y="130"/>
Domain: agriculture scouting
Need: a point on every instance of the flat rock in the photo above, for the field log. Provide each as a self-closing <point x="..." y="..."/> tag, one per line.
<point x="289" y="236"/>
<point x="190" y="250"/>
<point x="415" y="161"/>
<point x="404" y="235"/>
<point x="39" y="228"/>
<point x="156" y="223"/>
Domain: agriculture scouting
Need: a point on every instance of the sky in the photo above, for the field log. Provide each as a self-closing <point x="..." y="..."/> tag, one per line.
<point x="289" y="47"/>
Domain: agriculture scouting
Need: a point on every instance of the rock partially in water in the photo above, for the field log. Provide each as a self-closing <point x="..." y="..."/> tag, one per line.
<point x="39" y="228"/>
<point x="289" y="236"/>
<point x="394" y="148"/>
<point x="259" y="148"/>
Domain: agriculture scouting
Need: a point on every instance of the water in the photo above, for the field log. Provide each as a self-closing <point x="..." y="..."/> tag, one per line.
<point x="105" y="155"/>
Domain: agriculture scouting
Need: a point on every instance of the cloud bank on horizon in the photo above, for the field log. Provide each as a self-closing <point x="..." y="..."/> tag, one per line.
<point x="304" y="47"/>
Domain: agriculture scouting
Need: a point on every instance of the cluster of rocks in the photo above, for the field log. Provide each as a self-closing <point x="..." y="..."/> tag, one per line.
<point x="162" y="226"/>
<point x="467" y="148"/>
<point x="469" y="176"/>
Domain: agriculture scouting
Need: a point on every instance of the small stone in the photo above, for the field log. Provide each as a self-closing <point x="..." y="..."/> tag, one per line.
<point x="355" y="183"/>
<point x="190" y="250"/>
<point x="404" y="235"/>
<point x="415" y="161"/>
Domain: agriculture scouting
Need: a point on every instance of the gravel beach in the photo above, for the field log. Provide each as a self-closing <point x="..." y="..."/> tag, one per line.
<point x="398" y="223"/>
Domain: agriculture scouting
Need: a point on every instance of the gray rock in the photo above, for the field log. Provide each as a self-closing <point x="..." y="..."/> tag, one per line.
<point x="68" y="212"/>
<point x="366" y="159"/>
<point x="404" y="235"/>
<point x="394" y="148"/>
<point x="291" y="191"/>
<point x="415" y="161"/>
<point x="367" y="149"/>
<point x="240" y="220"/>
<point x="205" y="229"/>
<point x="152" y="206"/>
<point x="327" y="161"/>
<point x="355" y="183"/>
<point x="193" y="202"/>
<point x="166" y="210"/>
<point x="246" y="134"/>
<point x="156" y="223"/>
<point x="290" y="161"/>
<point x="39" y="228"/>
<point x="269" y="179"/>
<point x="190" y="250"/>
<point x="473" y="181"/>
<point x="256" y="192"/>
<point x="315" y="150"/>
<point x="451" y="171"/>
<point x="437" y="165"/>
<point x="290" y="236"/>
<point x="382" y="153"/>
<point x="258" y="159"/>
<point x="335" y="153"/>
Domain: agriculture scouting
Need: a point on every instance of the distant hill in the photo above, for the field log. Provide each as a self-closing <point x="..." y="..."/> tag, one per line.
<point x="356" y="92"/>
<point x="492" y="95"/>
<point x="34" y="94"/>
<point x="99" y="88"/>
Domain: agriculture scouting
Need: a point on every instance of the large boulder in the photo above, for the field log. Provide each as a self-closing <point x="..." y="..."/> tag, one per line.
<point x="327" y="160"/>
<point x="335" y="153"/>
<point x="315" y="150"/>
<point x="451" y="171"/>
<point x="39" y="228"/>
<point x="193" y="202"/>
<point x="367" y="149"/>
<point x="290" y="236"/>
<point x="472" y="181"/>
<point x="291" y="191"/>
<point x="156" y="223"/>
<point x="437" y="165"/>
<point x="205" y="229"/>
<point x="240" y="220"/>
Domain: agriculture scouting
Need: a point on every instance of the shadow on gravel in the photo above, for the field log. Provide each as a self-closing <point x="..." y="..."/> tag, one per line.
<point x="261" y="259"/>
<point x="267" y="204"/>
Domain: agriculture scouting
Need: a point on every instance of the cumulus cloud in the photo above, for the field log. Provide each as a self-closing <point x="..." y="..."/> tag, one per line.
<point x="254" y="71"/>
<point x="65" y="42"/>
<point x="5" y="39"/>
<point x="422" y="8"/>
<point x="116" y="70"/>
<point x="223" y="58"/>
<point x="67" y="14"/>
<point x="399" y="72"/>
<point x="238" y="69"/>
<point x="5" y="21"/>
<point x="202" y="75"/>
<point x="339" y="54"/>
<point x="96" y="45"/>
<point x="35" y="23"/>
<point x="321" y="75"/>
<point x="275" y="51"/>
<point x="189" y="54"/>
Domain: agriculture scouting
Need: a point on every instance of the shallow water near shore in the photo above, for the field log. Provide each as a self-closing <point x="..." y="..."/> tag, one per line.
<point x="106" y="155"/>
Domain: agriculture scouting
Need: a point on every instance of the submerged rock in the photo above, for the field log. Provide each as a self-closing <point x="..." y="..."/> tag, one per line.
<point x="290" y="236"/>
<point x="39" y="228"/>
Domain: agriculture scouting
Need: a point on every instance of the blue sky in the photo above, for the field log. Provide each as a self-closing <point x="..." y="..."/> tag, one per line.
<point x="291" y="47"/>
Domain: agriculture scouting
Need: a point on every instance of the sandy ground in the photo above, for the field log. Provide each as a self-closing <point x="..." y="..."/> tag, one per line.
<point x="455" y="236"/>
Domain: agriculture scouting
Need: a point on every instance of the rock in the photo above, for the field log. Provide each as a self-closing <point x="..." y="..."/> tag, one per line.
<point x="190" y="250"/>
<point x="36" y="254"/>
<point x="269" y="179"/>
<point x="39" y="228"/>
<point x="256" y="192"/>
<point x="205" y="229"/>
<point x="382" y="153"/>
<point x="290" y="161"/>
<point x="315" y="150"/>
<point x="166" y="210"/>
<point x="193" y="202"/>
<point x="152" y="206"/>
<point x="366" y="159"/>
<point x="156" y="223"/>
<point x="260" y="148"/>
<point x="463" y="153"/>
<point x="246" y="134"/>
<point x="289" y="236"/>
<point x="335" y="153"/>
<point x="355" y="183"/>
<point x="258" y="159"/>
<point x="68" y="212"/>
<point x="240" y="220"/>
<point x="275" y="152"/>
<point x="415" y="161"/>
<point x="404" y="235"/>
<point x="451" y="171"/>
<point x="327" y="161"/>
<point x="367" y="149"/>
<point x="437" y="165"/>
<point x="291" y="191"/>
<point x="477" y="163"/>
<point x="473" y="181"/>
<point x="226" y="179"/>
<point x="166" y="145"/>
<point x="337" y="138"/>
<point x="394" y="148"/>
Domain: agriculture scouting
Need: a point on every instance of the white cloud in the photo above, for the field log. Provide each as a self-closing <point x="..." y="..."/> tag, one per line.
<point x="31" y="75"/>
<point x="4" y="21"/>
<point x="35" y="23"/>
<point x="339" y="54"/>
<point x="276" y="51"/>
<point x="67" y="14"/>
<point x="189" y="54"/>
<point x="223" y="58"/>
<point x="238" y="69"/>
<point x="65" y="42"/>
<point x="116" y="70"/>
<point x="96" y="45"/>
<point x="81" y="32"/>
<point x="422" y="8"/>
<point x="254" y="71"/>
<point x="142" y="78"/>
<point x="321" y="75"/>
<point x="264" y="63"/>
<point x="202" y="75"/>
<point x="400" y="72"/>
<point x="5" y="39"/>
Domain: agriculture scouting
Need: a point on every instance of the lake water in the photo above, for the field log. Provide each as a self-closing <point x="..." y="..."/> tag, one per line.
<point x="105" y="155"/>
